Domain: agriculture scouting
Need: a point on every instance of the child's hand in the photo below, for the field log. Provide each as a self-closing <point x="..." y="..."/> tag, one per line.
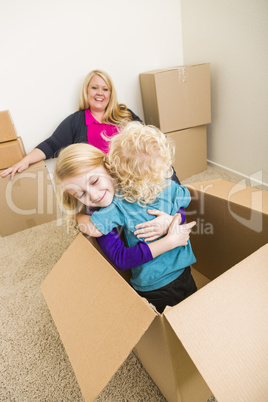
<point x="152" y="230"/>
<point x="178" y="235"/>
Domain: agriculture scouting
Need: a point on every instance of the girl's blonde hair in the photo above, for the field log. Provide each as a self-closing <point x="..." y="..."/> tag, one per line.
<point x="72" y="161"/>
<point x="140" y="161"/>
<point x="115" y="112"/>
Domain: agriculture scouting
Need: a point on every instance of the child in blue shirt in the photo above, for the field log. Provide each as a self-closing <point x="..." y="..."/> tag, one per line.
<point x="140" y="163"/>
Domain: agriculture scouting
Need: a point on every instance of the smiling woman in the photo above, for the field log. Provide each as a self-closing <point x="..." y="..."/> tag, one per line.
<point x="99" y="116"/>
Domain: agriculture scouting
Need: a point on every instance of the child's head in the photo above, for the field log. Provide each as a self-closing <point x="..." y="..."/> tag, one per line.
<point x="140" y="161"/>
<point x="82" y="179"/>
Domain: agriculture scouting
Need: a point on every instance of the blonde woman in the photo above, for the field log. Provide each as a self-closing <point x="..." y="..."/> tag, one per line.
<point x="133" y="176"/>
<point x="99" y="112"/>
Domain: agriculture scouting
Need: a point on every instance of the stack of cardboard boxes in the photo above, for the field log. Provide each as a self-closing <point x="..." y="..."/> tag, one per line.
<point x="177" y="100"/>
<point x="11" y="146"/>
<point x="29" y="199"/>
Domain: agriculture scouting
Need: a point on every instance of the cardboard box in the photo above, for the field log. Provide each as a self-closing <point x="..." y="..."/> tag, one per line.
<point x="191" y="151"/>
<point x="7" y="129"/>
<point x="11" y="152"/>
<point x="27" y="200"/>
<point x="232" y="222"/>
<point x="214" y="342"/>
<point x="177" y="98"/>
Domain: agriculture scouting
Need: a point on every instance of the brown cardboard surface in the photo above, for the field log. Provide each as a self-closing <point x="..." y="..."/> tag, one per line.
<point x="191" y="151"/>
<point x="224" y="329"/>
<point x="7" y="130"/>
<point x="100" y="318"/>
<point x="27" y="200"/>
<point x="168" y="363"/>
<point x="11" y="152"/>
<point x="177" y="98"/>
<point x="232" y="223"/>
<point x="203" y="345"/>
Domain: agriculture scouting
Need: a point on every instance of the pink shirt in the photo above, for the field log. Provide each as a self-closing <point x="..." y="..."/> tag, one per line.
<point x="95" y="131"/>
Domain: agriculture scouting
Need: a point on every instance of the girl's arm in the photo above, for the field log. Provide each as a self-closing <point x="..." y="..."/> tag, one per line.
<point x="86" y="226"/>
<point x="130" y="257"/>
<point x="157" y="227"/>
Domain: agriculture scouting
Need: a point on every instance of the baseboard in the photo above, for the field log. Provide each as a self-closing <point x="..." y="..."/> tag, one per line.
<point x="255" y="179"/>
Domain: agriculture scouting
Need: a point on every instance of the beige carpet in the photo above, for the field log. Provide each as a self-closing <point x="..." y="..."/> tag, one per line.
<point x="33" y="363"/>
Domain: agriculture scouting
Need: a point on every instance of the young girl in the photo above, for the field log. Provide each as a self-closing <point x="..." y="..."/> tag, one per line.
<point x="140" y="163"/>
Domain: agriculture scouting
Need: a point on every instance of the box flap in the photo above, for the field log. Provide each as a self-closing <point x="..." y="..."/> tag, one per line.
<point x="100" y="318"/>
<point x="7" y="130"/>
<point x="235" y="193"/>
<point x="164" y="70"/>
<point x="224" y="329"/>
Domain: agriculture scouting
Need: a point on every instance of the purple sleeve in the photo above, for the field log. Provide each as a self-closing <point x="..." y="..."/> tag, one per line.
<point x="183" y="215"/>
<point x="121" y="256"/>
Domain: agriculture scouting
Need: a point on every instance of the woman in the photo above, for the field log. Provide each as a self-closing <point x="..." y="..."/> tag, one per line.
<point x="99" y="112"/>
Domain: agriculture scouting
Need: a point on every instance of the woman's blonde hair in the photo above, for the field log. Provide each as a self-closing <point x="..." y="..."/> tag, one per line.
<point x="140" y="161"/>
<point x="115" y="112"/>
<point x="72" y="161"/>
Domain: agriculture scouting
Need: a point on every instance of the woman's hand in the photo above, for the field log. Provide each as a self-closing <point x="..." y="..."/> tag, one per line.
<point x="19" y="167"/>
<point x="34" y="156"/>
<point x="157" y="227"/>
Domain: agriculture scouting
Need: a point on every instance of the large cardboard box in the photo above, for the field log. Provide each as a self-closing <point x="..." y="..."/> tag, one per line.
<point x="232" y="222"/>
<point x="191" y="151"/>
<point x="27" y="200"/>
<point x="11" y="152"/>
<point x="177" y="98"/>
<point x="7" y="129"/>
<point x="214" y="342"/>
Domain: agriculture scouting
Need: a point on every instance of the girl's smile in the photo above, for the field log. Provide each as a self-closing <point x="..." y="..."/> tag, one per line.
<point x="93" y="189"/>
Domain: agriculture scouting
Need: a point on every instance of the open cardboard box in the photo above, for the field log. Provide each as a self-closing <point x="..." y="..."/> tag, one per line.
<point x="177" y="98"/>
<point x="27" y="200"/>
<point x="214" y="342"/>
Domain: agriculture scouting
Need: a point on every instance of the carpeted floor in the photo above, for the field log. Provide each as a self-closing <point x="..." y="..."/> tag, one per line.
<point x="33" y="362"/>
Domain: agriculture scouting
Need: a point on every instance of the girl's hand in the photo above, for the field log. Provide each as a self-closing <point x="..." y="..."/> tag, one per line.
<point x="152" y="230"/>
<point x="178" y="235"/>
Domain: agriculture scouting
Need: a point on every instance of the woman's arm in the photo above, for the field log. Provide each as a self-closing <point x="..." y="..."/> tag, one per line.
<point x="70" y="130"/>
<point x="34" y="156"/>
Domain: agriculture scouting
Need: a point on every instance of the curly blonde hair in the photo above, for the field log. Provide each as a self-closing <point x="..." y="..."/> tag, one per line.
<point x="115" y="112"/>
<point x="140" y="161"/>
<point x="72" y="161"/>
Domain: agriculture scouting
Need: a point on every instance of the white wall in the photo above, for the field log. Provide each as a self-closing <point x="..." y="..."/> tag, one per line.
<point x="233" y="36"/>
<point x="48" y="47"/>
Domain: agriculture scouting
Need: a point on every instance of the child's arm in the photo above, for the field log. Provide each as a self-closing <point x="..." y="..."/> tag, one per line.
<point x="178" y="235"/>
<point x="157" y="227"/>
<point x="86" y="226"/>
<point x="130" y="257"/>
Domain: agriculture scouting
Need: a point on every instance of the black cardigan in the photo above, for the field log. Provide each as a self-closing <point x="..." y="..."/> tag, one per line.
<point x="71" y="130"/>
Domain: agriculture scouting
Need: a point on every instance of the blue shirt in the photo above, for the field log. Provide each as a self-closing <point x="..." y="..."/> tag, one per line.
<point x="166" y="267"/>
